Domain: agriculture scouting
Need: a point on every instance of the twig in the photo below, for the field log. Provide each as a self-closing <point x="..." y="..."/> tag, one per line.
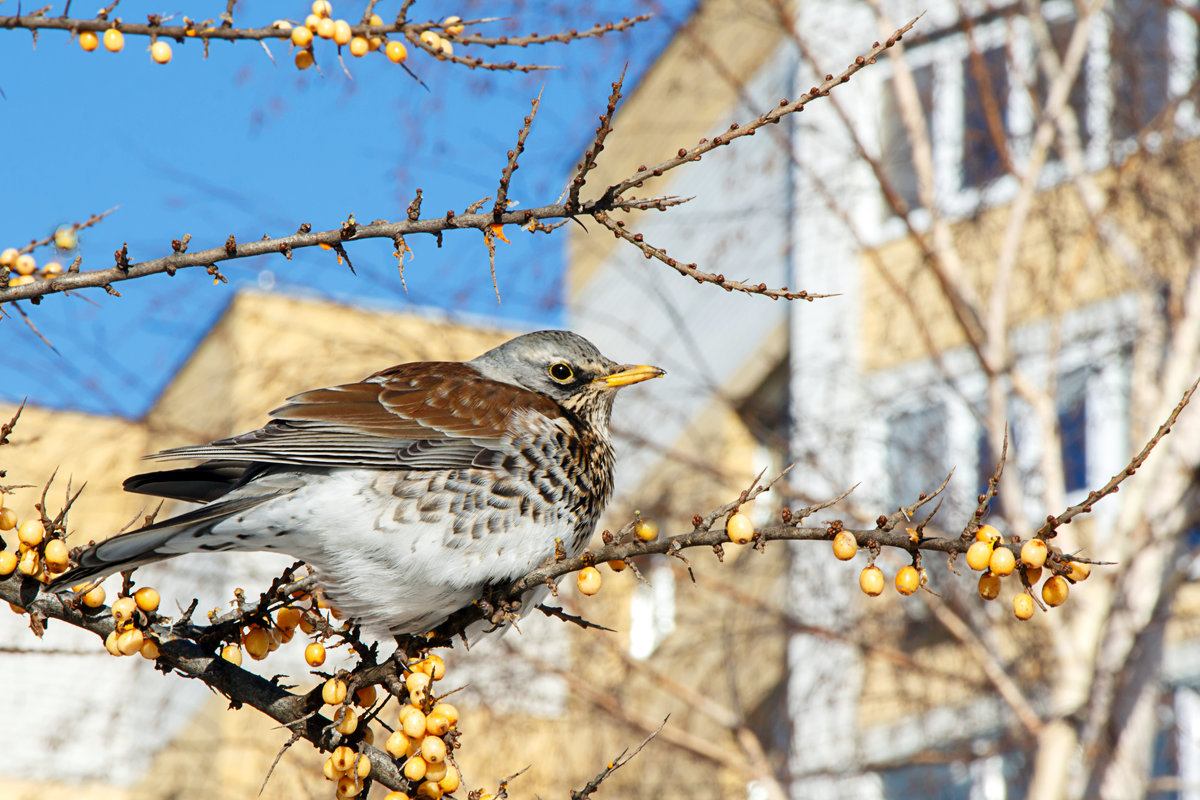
<point x="615" y="765"/>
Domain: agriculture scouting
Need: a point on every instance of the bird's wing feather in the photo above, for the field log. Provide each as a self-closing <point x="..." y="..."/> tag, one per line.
<point x="426" y="415"/>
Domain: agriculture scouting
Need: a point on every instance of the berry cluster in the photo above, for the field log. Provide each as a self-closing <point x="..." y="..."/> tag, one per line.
<point x="114" y="42"/>
<point x="320" y="24"/>
<point x="133" y="614"/>
<point x="40" y="555"/>
<point x="26" y="268"/>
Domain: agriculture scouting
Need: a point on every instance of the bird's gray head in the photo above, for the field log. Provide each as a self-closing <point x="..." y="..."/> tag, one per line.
<point x="566" y="368"/>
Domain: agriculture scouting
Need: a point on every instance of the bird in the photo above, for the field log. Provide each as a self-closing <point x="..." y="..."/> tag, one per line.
<point x="408" y="493"/>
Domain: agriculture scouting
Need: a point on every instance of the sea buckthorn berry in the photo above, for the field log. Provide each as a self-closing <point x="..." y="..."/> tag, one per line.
<point x="414" y="768"/>
<point x="375" y="19"/>
<point x="435" y="772"/>
<point x="314" y="654"/>
<point x="448" y="711"/>
<point x="396" y="796"/>
<point x="396" y="51"/>
<point x="341" y="32"/>
<point x="374" y="43"/>
<point x="845" y="546"/>
<point x="28" y="563"/>
<point x="739" y="528"/>
<point x="94" y="597"/>
<point x="1002" y="562"/>
<point x="8" y="562"/>
<point x="51" y="269"/>
<point x="418" y="686"/>
<point x="447" y="49"/>
<point x="908" y="580"/>
<point x="432" y="39"/>
<point x="304" y="59"/>
<point x="302" y="37"/>
<point x="233" y="654"/>
<point x="56" y="555"/>
<point x="588" y="580"/>
<point x="331" y="772"/>
<point x="65" y="237"/>
<point x="8" y="257"/>
<point x="432" y="665"/>
<point x="20" y="280"/>
<point x="646" y="530"/>
<point x="342" y="758"/>
<point x="325" y="28"/>
<point x="362" y="766"/>
<point x="437" y="724"/>
<point x="450" y="780"/>
<point x="987" y="533"/>
<point x="288" y="617"/>
<point x="989" y="586"/>
<point x="430" y="790"/>
<point x="1055" y="591"/>
<point x="1079" y="571"/>
<point x="31" y="532"/>
<point x="1034" y="552"/>
<point x="110" y="643"/>
<point x="979" y="555"/>
<point x="412" y="722"/>
<point x="359" y="47"/>
<point x="130" y="641"/>
<point x="311" y="22"/>
<point x="1033" y="574"/>
<point x="8" y="519"/>
<point x="1023" y="606"/>
<point x="365" y="696"/>
<point x="114" y="40"/>
<point x="89" y="41"/>
<point x="257" y="643"/>
<point x="160" y="51"/>
<point x="26" y="264"/>
<point x="397" y="744"/>
<point x="618" y="565"/>
<point x="433" y="750"/>
<point x="870" y="580"/>
<point x="452" y="25"/>
<point x="149" y="650"/>
<point x="322" y="8"/>
<point x="334" y="691"/>
<point x="347" y="721"/>
<point x="122" y="608"/>
<point x="147" y="599"/>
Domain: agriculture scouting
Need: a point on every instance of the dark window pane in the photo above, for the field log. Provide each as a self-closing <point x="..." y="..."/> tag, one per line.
<point x="1060" y="34"/>
<point x="896" y="152"/>
<point x="1072" y="425"/>
<point x="985" y="106"/>
<point x="1139" y="60"/>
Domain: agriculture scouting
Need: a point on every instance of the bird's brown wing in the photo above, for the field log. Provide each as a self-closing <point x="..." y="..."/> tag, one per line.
<point x="425" y="415"/>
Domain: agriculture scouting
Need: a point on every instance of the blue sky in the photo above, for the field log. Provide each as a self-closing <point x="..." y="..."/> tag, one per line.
<point x="236" y="144"/>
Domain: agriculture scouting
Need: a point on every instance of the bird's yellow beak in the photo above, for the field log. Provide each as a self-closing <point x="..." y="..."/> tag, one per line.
<point x="631" y="375"/>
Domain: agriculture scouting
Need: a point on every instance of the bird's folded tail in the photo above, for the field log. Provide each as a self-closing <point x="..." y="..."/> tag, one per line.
<point x="162" y="540"/>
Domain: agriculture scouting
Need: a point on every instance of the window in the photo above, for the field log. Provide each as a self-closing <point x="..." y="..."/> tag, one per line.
<point x="916" y="452"/>
<point x="985" y="116"/>
<point x="1072" y="427"/>
<point x="1138" y="62"/>
<point x="896" y="152"/>
<point x="1060" y="34"/>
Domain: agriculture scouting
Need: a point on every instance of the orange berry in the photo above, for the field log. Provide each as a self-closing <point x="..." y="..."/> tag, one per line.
<point x="304" y="59"/>
<point x="452" y="25"/>
<point x="432" y="39"/>
<point x="110" y="643"/>
<point x="94" y="597"/>
<point x="396" y="796"/>
<point x="429" y="790"/>
<point x="31" y="532"/>
<point x="331" y="772"/>
<point x="347" y="720"/>
<point x="365" y="696"/>
<point x="56" y="555"/>
<point x="233" y="654"/>
<point x="8" y="257"/>
<point x="359" y="47"/>
<point x="362" y="765"/>
<point x="311" y="22"/>
<point x="8" y="519"/>
<point x="257" y="643"/>
<point x="375" y="19"/>
<point x="437" y="724"/>
<point x="341" y="32"/>
<point x="130" y="641"/>
<point x="160" y="51"/>
<point x="149" y="650"/>
<point x="987" y="533"/>
<point x="26" y="264"/>
<point x="343" y="758"/>
<point x="302" y="37"/>
<point x="870" y="580"/>
<point x="122" y="609"/>
<point x="20" y="280"/>
<point x="448" y="711"/>
<point x="89" y="41"/>
<point x="397" y="744"/>
<point x="29" y="563"/>
<point x="1023" y="606"/>
<point x="1002" y="561"/>
<point x="979" y="555"/>
<point x="51" y="269"/>
<point x="288" y="617"/>
<point x="322" y="8"/>
<point x="325" y="28"/>
<point x="908" y="580"/>
<point x="8" y="562"/>
<point x="334" y="691"/>
<point x="414" y="768"/>
<point x="412" y="722"/>
<point x="396" y="51"/>
<point x="1055" y="591"/>
<point x="433" y="666"/>
<point x="739" y="528"/>
<point x="314" y="654"/>
<point x="114" y="40"/>
<point x="418" y="687"/>
<point x="147" y="599"/>
<point x="588" y="580"/>
<point x="1034" y="552"/>
<point x="989" y="586"/>
<point x="1033" y="574"/>
<point x="618" y="565"/>
<point x="348" y="786"/>
<point x="450" y="780"/>
<point x="433" y="750"/>
<point x="1079" y="572"/>
<point x="435" y="772"/>
<point x="845" y="546"/>
<point x="646" y="530"/>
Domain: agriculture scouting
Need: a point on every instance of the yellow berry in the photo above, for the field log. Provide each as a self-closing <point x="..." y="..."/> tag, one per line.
<point x="359" y="47"/>
<point x="331" y="772"/>
<point x="375" y="19"/>
<point x="52" y="268"/>
<point x="448" y="711"/>
<point x="452" y="25"/>
<point x="302" y="37"/>
<point x="149" y="650"/>
<point x="233" y="654"/>
<point x="1033" y="574"/>
<point x="739" y="528"/>
<point x="362" y="765"/>
<point x="56" y="555"/>
<point x="412" y="722"/>
<point x="26" y="264"/>
<point x="348" y="786"/>
<point x="908" y="580"/>
<point x="147" y="599"/>
<point x="437" y="724"/>
<point x="414" y="768"/>
<point x="89" y="41"/>
<point x="314" y="654"/>
<point x="8" y="562"/>
<point x="979" y="555"/>
<point x="870" y="580"/>
<point x="1079" y="572"/>
<point x="397" y="744"/>
<point x="65" y="237"/>
<point x="1002" y="561"/>
<point x="445" y="48"/>
<point x="433" y="666"/>
<point x="8" y="257"/>
<point x="618" y="565"/>
<point x="28" y="563"/>
<point x="8" y="519"/>
<point x="334" y="691"/>
<point x="343" y="758"/>
<point x="845" y="546"/>
<point x="429" y="790"/>
<point x="325" y="28"/>
<point x="374" y="43"/>
<point x="1034" y="552"/>
<point x="307" y="626"/>
<point x="435" y="772"/>
<point x="365" y="696"/>
<point x="989" y="586"/>
<point x="322" y="8"/>
<point x="588" y="580"/>
<point x="987" y="533"/>
<point x="646" y="530"/>
<point x="257" y="643"/>
<point x="418" y="687"/>
<point x="1055" y="590"/>
<point x="396" y="796"/>
<point x="94" y="598"/>
<point x="160" y="51"/>
<point x="396" y="51"/>
<point x="122" y="609"/>
<point x="433" y="750"/>
<point x="114" y="40"/>
<point x="110" y="643"/>
<point x="311" y="22"/>
<point x="341" y="32"/>
<point x="20" y="280"/>
<point x="31" y="532"/>
<point x="288" y="617"/>
<point x="347" y="721"/>
<point x="304" y="59"/>
<point x="450" y="780"/>
<point x="130" y="641"/>
<point x="1023" y="606"/>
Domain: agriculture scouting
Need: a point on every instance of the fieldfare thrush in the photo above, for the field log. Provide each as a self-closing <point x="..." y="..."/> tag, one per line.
<point x="410" y="492"/>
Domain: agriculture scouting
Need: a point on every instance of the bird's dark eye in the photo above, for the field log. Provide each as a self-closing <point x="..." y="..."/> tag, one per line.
<point x="561" y="372"/>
